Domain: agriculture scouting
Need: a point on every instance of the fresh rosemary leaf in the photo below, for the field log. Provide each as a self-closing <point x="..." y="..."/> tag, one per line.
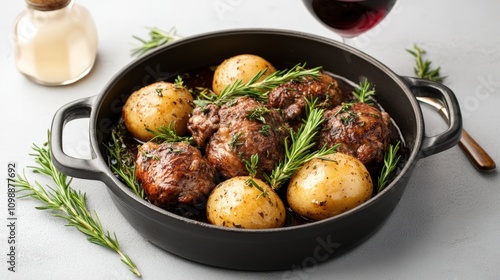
<point x="301" y="149"/>
<point x="251" y="182"/>
<point x="157" y="37"/>
<point x="123" y="161"/>
<point x="258" y="114"/>
<point x="68" y="203"/>
<point x="168" y="134"/>
<point x="423" y="67"/>
<point x="391" y="159"/>
<point x="258" y="90"/>
<point x="364" y="93"/>
<point x="251" y="167"/>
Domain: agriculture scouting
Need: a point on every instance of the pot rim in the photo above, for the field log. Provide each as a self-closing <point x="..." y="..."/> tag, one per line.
<point x="114" y="184"/>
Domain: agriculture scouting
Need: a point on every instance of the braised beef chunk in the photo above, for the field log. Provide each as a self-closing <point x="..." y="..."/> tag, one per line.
<point x="362" y="130"/>
<point x="203" y="122"/>
<point x="173" y="174"/>
<point x="291" y="96"/>
<point x="246" y="127"/>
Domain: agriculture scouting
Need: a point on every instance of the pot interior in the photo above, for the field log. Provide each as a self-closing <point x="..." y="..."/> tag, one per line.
<point x="283" y="49"/>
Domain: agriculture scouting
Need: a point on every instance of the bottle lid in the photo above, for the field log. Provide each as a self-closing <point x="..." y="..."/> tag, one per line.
<point x="47" y="5"/>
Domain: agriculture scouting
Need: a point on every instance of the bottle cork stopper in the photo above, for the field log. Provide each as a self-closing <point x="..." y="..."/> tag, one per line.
<point x="47" y="5"/>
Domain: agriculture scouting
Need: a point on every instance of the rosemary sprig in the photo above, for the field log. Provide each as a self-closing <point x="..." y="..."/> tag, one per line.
<point x="391" y="159"/>
<point x="168" y="134"/>
<point x="258" y="114"/>
<point x="123" y="161"/>
<point x="300" y="151"/>
<point x="423" y="68"/>
<point x="364" y="93"/>
<point x="251" y="167"/>
<point x="258" y="89"/>
<point x="235" y="137"/>
<point x="68" y="204"/>
<point x="157" y="38"/>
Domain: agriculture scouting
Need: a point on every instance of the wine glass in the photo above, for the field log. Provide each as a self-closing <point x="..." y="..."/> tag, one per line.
<point x="349" y="18"/>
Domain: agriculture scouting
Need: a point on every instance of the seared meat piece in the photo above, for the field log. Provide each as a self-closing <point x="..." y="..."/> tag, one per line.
<point x="362" y="130"/>
<point x="173" y="174"/>
<point x="291" y="96"/>
<point x="246" y="128"/>
<point x="204" y="121"/>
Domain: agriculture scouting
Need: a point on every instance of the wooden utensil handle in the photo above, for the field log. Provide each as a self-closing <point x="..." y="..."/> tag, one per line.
<point x="477" y="155"/>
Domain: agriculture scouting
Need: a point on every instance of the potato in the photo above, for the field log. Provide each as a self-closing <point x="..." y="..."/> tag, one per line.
<point x="233" y="203"/>
<point x="241" y="67"/>
<point x="323" y="188"/>
<point x="156" y="105"/>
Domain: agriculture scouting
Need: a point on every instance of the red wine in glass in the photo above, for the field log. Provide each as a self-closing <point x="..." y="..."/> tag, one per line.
<point x="350" y="18"/>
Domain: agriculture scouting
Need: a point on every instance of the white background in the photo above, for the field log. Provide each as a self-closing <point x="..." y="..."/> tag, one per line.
<point x="447" y="225"/>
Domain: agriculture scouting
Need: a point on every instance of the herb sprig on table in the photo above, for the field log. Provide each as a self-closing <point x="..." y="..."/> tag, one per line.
<point x="68" y="203"/>
<point x="168" y="134"/>
<point x="157" y="37"/>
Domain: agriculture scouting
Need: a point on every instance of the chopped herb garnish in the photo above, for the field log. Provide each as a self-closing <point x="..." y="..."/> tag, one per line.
<point x="258" y="114"/>
<point x="251" y="167"/>
<point x="159" y="92"/>
<point x="265" y="130"/>
<point x="234" y="140"/>
<point x="344" y="108"/>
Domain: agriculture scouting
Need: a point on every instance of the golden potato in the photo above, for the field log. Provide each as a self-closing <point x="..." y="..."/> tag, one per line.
<point x="233" y="203"/>
<point x="323" y="188"/>
<point x="158" y="104"/>
<point x="241" y="67"/>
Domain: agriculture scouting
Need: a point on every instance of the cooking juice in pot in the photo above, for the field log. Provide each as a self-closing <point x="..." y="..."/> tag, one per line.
<point x="202" y="78"/>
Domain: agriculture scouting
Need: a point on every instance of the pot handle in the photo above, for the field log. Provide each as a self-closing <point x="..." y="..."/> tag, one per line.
<point x="451" y="136"/>
<point x="74" y="167"/>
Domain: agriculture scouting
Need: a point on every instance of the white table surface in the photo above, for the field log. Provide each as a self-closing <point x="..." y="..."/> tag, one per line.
<point x="446" y="226"/>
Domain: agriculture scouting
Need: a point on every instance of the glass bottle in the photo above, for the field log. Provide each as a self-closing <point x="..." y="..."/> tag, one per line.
<point x="55" y="42"/>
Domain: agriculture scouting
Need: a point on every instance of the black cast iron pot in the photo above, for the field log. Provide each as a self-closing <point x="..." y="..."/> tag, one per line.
<point x="270" y="249"/>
